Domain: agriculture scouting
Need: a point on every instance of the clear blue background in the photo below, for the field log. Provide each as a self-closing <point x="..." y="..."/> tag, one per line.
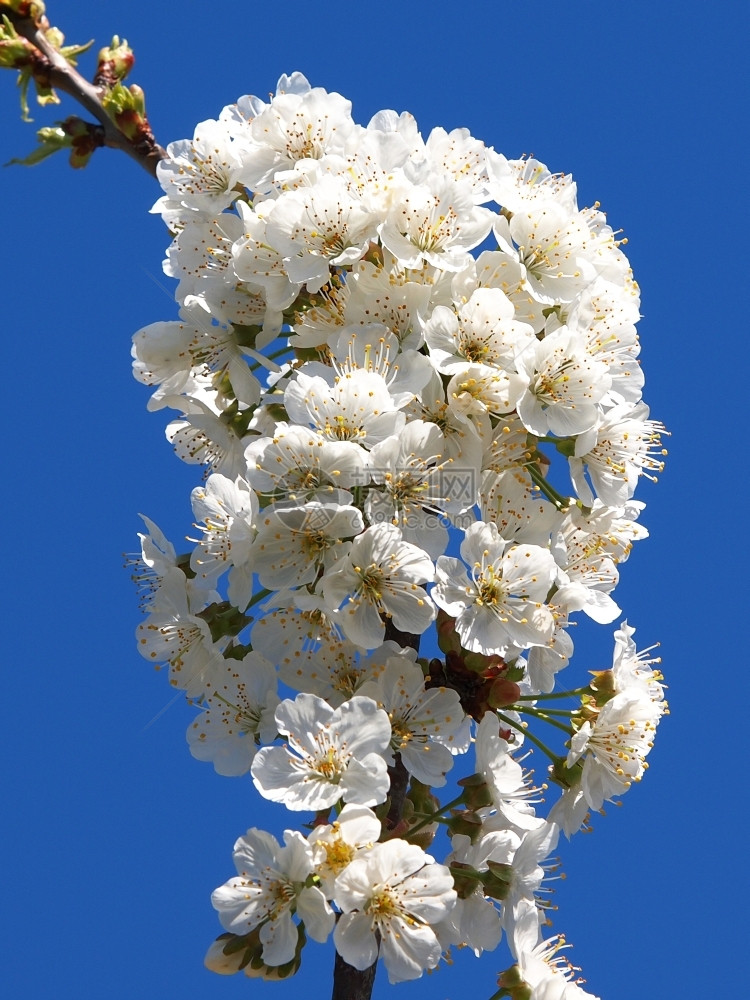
<point x="113" y="835"/>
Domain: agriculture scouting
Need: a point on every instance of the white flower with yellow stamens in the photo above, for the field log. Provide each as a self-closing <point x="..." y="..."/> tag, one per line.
<point x="381" y="576"/>
<point x="237" y="709"/>
<point x="319" y="226"/>
<point x="415" y="485"/>
<point x="625" y="446"/>
<point x="331" y="754"/>
<point x="481" y="331"/>
<point x="227" y="511"/>
<point x="559" y="385"/>
<point x="298" y="464"/>
<point x="615" y="744"/>
<point x="501" y="607"/>
<point x="429" y="724"/>
<point x="269" y="888"/>
<point x="295" y="544"/>
<point x="337" y="844"/>
<point x="390" y="899"/>
<point x="435" y="222"/>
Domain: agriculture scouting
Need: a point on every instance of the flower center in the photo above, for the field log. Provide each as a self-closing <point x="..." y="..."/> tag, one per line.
<point x="371" y="587"/>
<point x="338" y="855"/>
<point x="491" y="592"/>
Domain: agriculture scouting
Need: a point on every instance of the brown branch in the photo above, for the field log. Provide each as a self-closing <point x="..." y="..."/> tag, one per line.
<point x="350" y="983"/>
<point x="55" y="70"/>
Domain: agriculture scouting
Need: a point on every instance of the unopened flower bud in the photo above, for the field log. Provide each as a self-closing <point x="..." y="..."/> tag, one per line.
<point x="419" y="799"/>
<point x="217" y="959"/>
<point x="231" y="953"/>
<point x="115" y="62"/>
<point x="503" y="693"/>
<point x="126" y="107"/>
<point x="15" y="52"/>
<point x="257" y="968"/>
<point x="84" y="139"/>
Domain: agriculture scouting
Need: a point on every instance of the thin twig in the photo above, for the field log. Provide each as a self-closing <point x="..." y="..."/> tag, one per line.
<point x="350" y="983"/>
<point x="60" y="75"/>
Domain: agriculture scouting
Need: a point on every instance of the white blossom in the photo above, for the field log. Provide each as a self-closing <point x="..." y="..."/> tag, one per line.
<point x="335" y="845"/>
<point x="268" y="889"/>
<point x="331" y="754"/>
<point x="502" y="604"/>
<point x="236" y="711"/>
<point x="201" y="174"/>
<point x="615" y="743"/>
<point x="389" y="899"/>
<point x="429" y="725"/>
<point x="623" y="447"/>
<point x="382" y="575"/>
<point x="295" y="544"/>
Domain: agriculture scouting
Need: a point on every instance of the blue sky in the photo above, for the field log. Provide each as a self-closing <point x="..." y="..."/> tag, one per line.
<point x="114" y="836"/>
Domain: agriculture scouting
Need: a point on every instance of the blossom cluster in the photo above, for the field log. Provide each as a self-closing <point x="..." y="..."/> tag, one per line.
<point x="388" y="347"/>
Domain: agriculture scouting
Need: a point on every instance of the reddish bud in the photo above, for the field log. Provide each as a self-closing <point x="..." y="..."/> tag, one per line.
<point x="447" y="636"/>
<point x="503" y="693"/>
<point x="115" y="62"/>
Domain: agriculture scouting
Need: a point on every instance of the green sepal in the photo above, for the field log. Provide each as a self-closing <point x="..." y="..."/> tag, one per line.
<point x="277" y="411"/>
<point x="307" y="353"/>
<point x="603" y="687"/>
<point x="183" y="562"/>
<point x="237" y="651"/>
<point x="238" y="420"/>
<point x="465" y="879"/>
<point x="497" y="880"/>
<point x="419" y="801"/>
<point x="234" y="943"/>
<point x="69" y="52"/>
<point x="476" y="794"/>
<point x="15" y="51"/>
<point x="514" y="671"/>
<point x="566" y="446"/>
<point x="566" y="777"/>
<point x="246" y="335"/>
<point x="252" y="961"/>
<point x="224" y="620"/>
<point x="468" y="823"/>
<point x="512" y="984"/>
<point x="44" y="95"/>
